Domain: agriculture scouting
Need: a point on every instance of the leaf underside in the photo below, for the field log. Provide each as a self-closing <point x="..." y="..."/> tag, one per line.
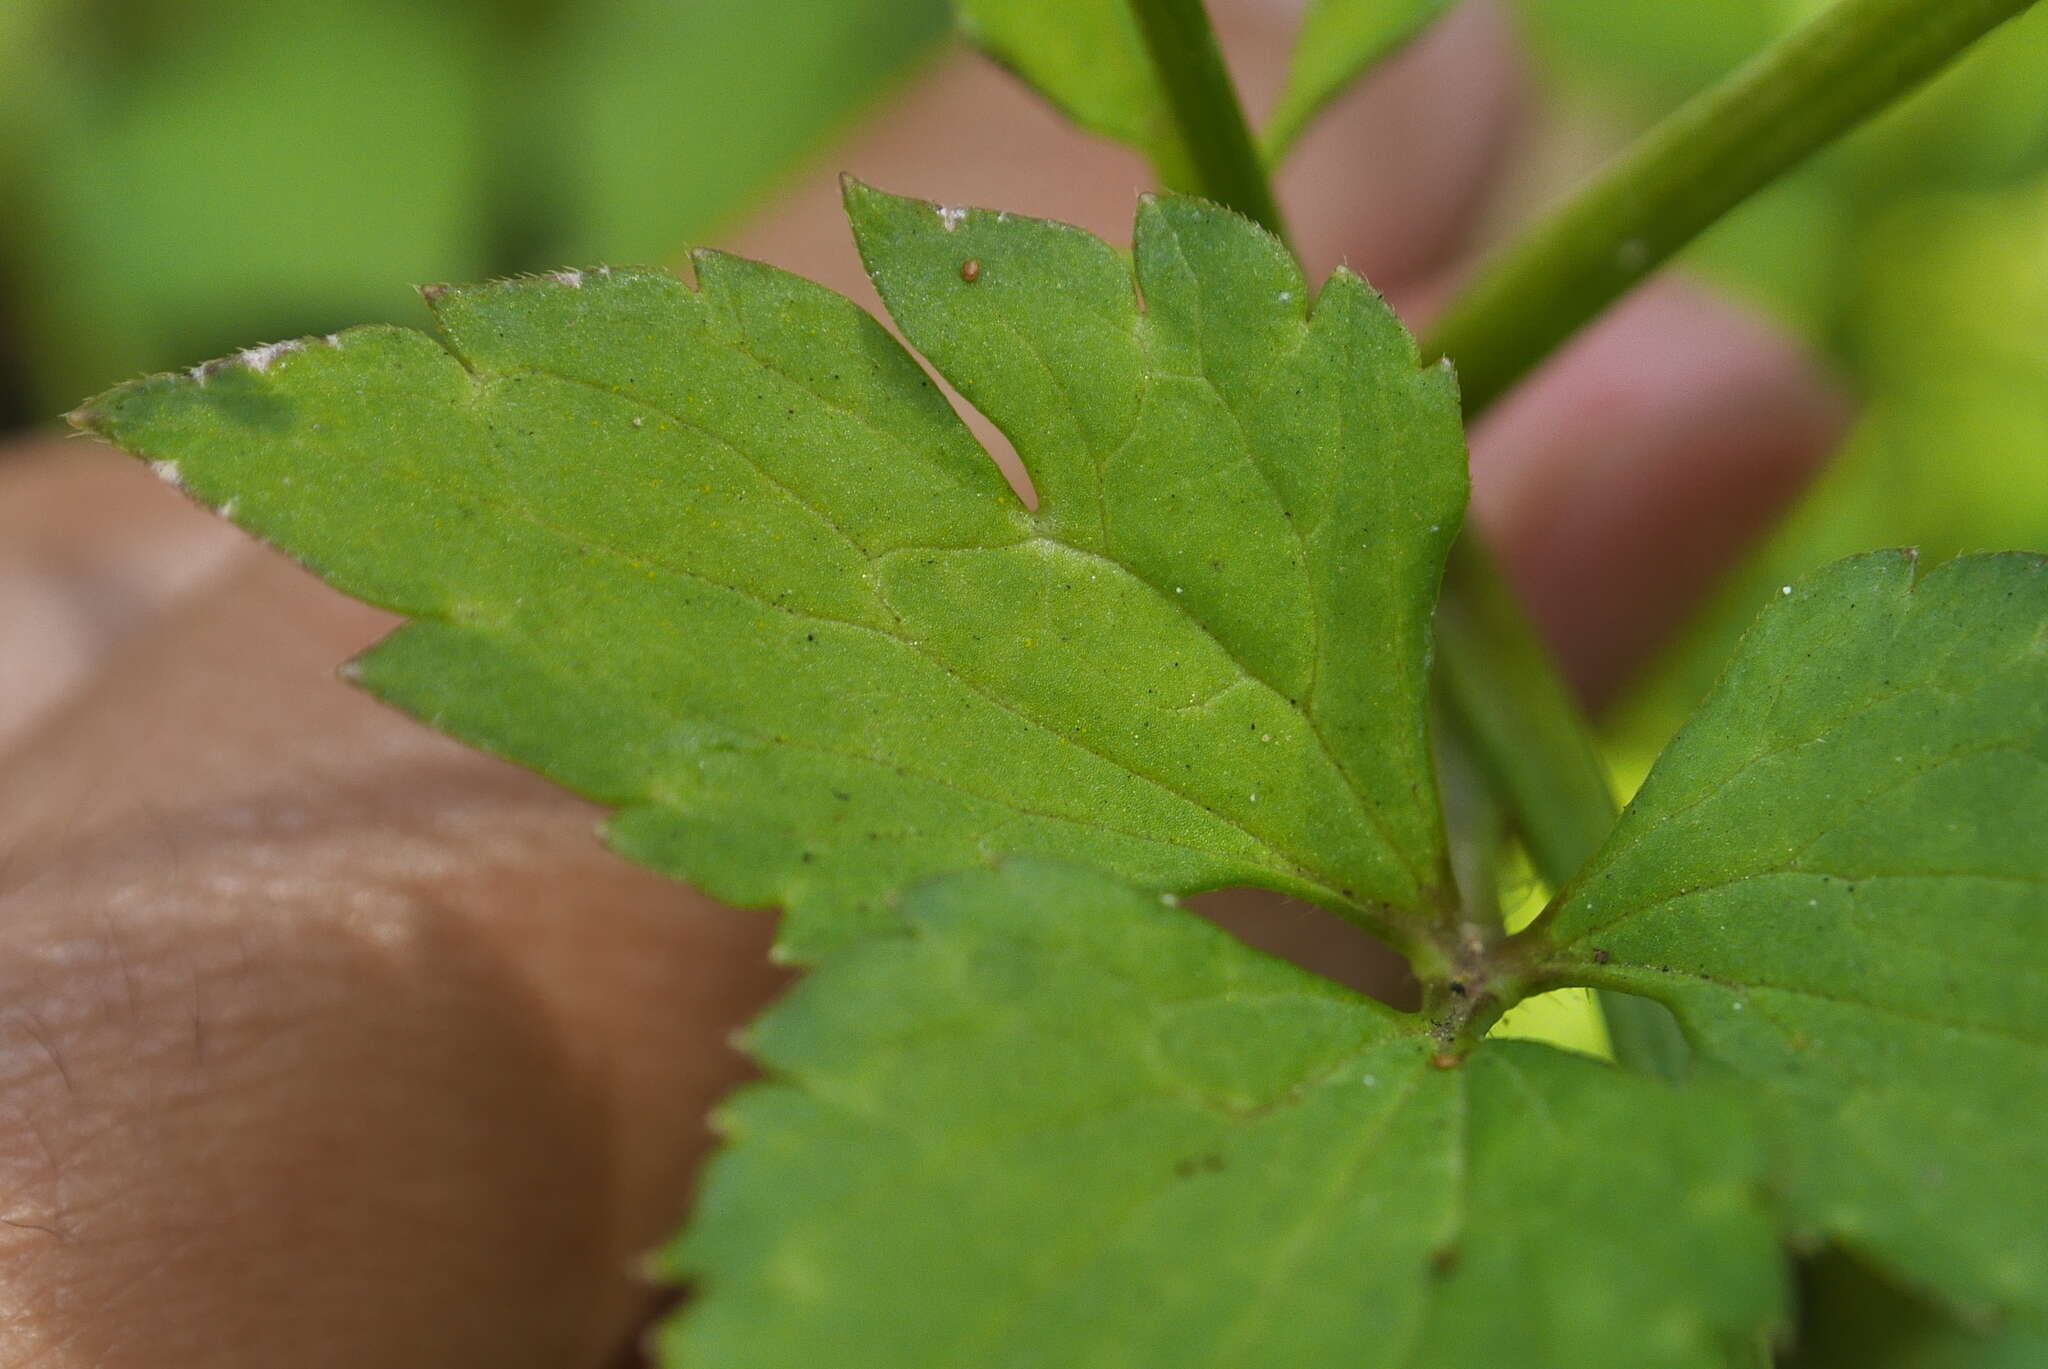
<point x="725" y="559"/>
<point x="1119" y="1137"/>
<point x="1837" y="877"/>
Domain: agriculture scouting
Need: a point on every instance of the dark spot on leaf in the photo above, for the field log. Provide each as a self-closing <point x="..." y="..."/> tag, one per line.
<point x="970" y="270"/>
<point x="1601" y="957"/>
<point x="244" y="399"/>
<point x="1443" y="1261"/>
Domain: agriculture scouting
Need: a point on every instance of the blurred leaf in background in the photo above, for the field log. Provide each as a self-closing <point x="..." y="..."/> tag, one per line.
<point x="184" y="176"/>
<point x="675" y="114"/>
<point x="263" y="170"/>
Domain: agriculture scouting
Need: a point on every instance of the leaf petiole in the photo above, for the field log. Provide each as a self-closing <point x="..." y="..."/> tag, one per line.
<point x="1502" y="688"/>
<point x="1216" y="140"/>
<point x="1791" y="100"/>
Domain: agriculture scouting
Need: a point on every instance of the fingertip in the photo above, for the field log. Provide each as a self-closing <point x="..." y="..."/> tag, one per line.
<point x="1645" y="459"/>
<point x="1396" y="174"/>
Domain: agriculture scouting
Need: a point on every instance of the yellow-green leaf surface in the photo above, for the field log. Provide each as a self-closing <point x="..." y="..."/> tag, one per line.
<point x="725" y="559"/>
<point x="1339" y="41"/>
<point x="1837" y="877"/>
<point x="1056" y="1123"/>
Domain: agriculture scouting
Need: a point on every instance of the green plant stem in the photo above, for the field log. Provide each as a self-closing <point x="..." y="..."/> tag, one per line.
<point x="1478" y="833"/>
<point x="1500" y="685"/>
<point x="1524" y="731"/>
<point x="1529" y="739"/>
<point x="1215" y="138"/>
<point x="1794" y="98"/>
<point x="1499" y="682"/>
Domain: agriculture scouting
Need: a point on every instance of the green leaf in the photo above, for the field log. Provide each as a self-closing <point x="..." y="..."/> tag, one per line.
<point x="1339" y="41"/>
<point x="1112" y="1135"/>
<point x="1835" y="878"/>
<point x="1089" y="58"/>
<point x="725" y="559"/>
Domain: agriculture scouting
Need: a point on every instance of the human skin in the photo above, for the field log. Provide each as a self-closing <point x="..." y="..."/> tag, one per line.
<point x="326" y="1042"/>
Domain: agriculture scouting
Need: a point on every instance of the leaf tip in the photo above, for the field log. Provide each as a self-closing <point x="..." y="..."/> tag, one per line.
<point x="866" y="204"/>
<point x="87" y="420"/>
<point x="853" y="189"/>
<point x="709" y="264"/>
<point x="1343" y="273"/>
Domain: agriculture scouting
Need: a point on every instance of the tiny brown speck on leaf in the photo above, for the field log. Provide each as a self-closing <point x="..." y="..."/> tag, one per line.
<point x="970" y="270"/>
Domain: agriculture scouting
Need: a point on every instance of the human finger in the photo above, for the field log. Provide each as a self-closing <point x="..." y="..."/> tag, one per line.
<point x="1643" y="461"/>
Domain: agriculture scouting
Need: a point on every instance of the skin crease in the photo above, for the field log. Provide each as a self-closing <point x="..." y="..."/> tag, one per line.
<point x="326" y="1042"/>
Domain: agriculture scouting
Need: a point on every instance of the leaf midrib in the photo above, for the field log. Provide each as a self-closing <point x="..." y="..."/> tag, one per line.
<point x="1301" y="706"/>
<point x="1738" y="987"/>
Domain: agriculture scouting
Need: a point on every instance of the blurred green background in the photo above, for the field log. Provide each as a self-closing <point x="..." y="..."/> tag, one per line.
<point x="182" y="177"/>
